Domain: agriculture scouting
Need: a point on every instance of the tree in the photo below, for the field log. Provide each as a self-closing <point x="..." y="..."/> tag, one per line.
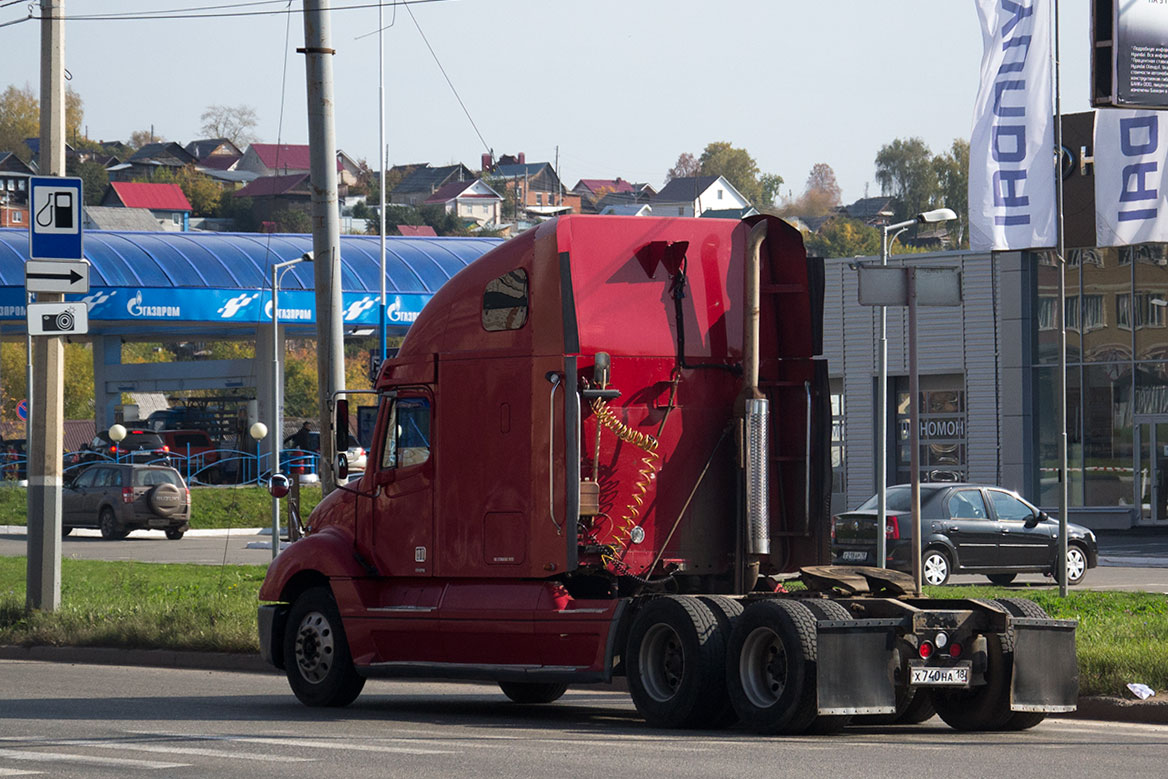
<point x="843" y="237"/>
<point x="772" y="185"/>
<point x="94" y="180"/>
<point x="235" y="123"/>
<point x="686" y="167"/>
<point x="822" y="181"/>
<point x="904" y="169"/>
<point x="953" y="184"/>
<point x="736" y="165"/>
<point x="19" y="119"/>
<point x="292" y="220"/>
<point x="140" y="138"/>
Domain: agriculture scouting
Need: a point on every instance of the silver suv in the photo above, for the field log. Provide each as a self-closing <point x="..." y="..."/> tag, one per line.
<point x="119" y="497"/>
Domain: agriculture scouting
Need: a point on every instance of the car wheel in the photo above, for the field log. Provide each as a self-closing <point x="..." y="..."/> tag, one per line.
<point x="935" y="567"/>
<point x="771" y="667"/>
<point x="533" y="692"/>
<point x="107" y="523"/>
<point x="1076" y="564"/>
<point x="316" y="653"/>
<point x="174" y="534"/>
<point x="1001" y="579"/>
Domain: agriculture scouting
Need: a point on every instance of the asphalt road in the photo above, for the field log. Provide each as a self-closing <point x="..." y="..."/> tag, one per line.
<point x="97" y="721"/>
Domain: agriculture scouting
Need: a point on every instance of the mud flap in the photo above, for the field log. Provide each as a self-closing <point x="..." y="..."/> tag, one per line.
<point x="1046" y="670"/>
<point x="855" y="666"/>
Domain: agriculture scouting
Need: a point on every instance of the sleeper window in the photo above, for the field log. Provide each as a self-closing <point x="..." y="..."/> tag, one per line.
<point x="505" y="301"/>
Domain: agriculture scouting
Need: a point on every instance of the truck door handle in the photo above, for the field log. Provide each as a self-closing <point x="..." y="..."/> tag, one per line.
<point x="953" y="528"/>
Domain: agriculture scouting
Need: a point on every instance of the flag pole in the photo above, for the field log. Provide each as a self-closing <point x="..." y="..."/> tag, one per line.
<point x="1061" y="266"/>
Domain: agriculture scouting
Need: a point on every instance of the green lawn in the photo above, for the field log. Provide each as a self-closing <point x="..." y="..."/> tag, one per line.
<point x="1121" y="635"/>
<point x="211" y="507"/>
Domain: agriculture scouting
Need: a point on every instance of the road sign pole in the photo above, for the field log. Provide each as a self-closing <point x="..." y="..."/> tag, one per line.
<point x="45" y="444"/>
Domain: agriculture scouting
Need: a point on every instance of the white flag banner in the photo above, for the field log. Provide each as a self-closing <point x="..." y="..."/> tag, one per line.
<point x="1011" y="150"/>
<point x="1131" y="150"/>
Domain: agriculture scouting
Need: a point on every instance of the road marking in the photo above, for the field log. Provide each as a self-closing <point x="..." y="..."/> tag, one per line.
<point x="1079" y="725"/>
<point x="57" y="757"/>
<point x="314" y="744"/>
<point x="175" y="750"/>
<point x="18" y="772"/>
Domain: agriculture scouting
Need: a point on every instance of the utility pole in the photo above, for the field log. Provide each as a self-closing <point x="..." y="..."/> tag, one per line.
<point x="326" y="226"/>
<point x="47" y="409"/>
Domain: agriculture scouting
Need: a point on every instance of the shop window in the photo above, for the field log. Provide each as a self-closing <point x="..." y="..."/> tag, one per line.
<point x="839" y="460"/>
<point x="942" y="432"/>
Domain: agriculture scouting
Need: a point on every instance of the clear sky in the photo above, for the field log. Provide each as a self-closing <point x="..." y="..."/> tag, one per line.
<point x="622" y="87"/>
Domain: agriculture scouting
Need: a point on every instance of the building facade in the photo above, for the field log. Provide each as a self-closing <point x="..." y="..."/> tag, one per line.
<point x="988" y="372"/>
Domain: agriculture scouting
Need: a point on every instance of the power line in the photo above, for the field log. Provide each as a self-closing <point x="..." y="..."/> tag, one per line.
<point x="217" y="12"/>
<point x="448" y="81"/>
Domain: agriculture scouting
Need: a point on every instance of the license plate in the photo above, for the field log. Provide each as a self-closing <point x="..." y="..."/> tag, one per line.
<point x="938" y="677"/>
<point x="855" y="556"/>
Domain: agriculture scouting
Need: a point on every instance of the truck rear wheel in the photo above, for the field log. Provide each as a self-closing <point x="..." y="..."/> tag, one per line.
<point x="828" y="610"/>
<point x="533" y="692"/>
<point x="726" y="611"/>
<point x="675" y="661"/>
<point x="317" y="661"/>
<point x="770" y="668"/>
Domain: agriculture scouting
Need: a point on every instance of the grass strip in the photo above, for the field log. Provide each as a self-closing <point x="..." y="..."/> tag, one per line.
<point x="132" y="605"/>
<point x="211" y="507"/>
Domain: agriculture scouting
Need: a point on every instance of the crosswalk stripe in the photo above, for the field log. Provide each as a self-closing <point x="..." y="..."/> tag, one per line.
<point x="58" y="757"/>
<point x="177" y="750"/>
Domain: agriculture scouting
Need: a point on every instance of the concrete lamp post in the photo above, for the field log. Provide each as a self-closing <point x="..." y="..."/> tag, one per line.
<point x="925" y="217"/>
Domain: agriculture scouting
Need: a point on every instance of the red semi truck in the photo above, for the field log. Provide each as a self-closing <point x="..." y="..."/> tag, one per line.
<point x="603" y="450"/>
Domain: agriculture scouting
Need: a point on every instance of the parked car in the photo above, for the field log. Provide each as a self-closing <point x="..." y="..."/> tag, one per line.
<point x="139" y="446"/>
<point x="294" y="456"/>
<point x="194" y="451"/>
<point x="965" y="528"/>
<point x="119" y="497"/>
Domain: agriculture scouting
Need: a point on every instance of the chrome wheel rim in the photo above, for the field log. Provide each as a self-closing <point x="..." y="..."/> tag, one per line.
<point x="762" y="667"/>
<point x="936" y="569"/>
<point x="1076" y="564"/>
<point x="314" y="647"/>
<point x="662" y="662"/>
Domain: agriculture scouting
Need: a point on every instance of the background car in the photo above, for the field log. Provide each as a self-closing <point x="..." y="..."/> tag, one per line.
<point x="303" y="458"/>
<point x="119" y="497"/>
<point x="139" y="446"/>
<point x="13" y="459"/>
<point x="965" y="528"/>
<point x="195" y="452"/>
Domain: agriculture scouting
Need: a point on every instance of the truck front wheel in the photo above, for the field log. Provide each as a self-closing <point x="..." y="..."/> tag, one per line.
<point x="675" y="660"/>
<point x="317" y="660"/>
<point x="770" y="669"/>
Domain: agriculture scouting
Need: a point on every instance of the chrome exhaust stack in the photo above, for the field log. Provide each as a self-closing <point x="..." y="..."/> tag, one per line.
<point x="754" y="427"/>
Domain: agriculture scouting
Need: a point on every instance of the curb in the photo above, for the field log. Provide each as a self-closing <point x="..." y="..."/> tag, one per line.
<point x="1153" y="712"/>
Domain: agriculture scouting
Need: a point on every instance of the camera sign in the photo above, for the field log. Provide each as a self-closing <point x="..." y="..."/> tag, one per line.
<point x="54" y="225"/>
<point x="58" y="318"/>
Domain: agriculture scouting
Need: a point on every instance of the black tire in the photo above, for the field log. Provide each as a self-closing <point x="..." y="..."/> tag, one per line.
<point x="1076" y="564"/>
<point x="824" y="724"/>
<point x="675" y="660"/>
<point x="936" y="567"/>
<point x="174" y="534"/>
<point x="770" y="667"/>
<point x="316" y="654"/>
<point x="1001" y="579"/>
<point x="726" y="611"/>
<point x="1021" y="607"/>
<point x="107" y="523"/>
<point x="533" y="692"/>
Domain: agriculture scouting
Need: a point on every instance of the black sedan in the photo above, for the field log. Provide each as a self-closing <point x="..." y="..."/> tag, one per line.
<point x="965" y="528"/>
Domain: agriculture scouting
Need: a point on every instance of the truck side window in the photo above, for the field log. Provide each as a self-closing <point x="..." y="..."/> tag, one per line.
<point x="505" y="301"/>
<point x="407" y="436"/>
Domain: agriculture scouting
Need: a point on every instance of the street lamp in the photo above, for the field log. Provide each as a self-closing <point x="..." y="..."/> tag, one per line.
<point x="117" y="434"/>
<point x="278" y="270"/>
<point x="925" y="217"/>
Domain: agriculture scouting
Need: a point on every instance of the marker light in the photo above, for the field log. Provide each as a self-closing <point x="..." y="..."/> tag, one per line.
<point x="925" y="650"/>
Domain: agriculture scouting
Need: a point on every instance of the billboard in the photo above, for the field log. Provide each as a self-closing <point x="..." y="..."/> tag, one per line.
<point x="1130" y="53"/>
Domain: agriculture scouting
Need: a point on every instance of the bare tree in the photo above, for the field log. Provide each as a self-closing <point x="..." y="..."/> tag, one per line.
<point x="687" y="166"/>
<point x="235" y="123"/>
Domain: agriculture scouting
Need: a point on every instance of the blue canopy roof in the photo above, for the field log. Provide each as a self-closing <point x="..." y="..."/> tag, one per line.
<point x="193" y="278"/>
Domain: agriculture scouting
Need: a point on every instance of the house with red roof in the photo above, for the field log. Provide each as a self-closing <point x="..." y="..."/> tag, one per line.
<point x="166" y="202"/>
<point x="271" y="194"/>
<point x="592" y="191"/>
<point x="470" y="201"/>
<point x="282" y="159"/>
